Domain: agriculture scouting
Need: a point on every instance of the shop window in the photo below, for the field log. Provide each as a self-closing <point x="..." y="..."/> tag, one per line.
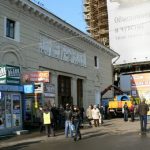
<point x="10" y="110"/>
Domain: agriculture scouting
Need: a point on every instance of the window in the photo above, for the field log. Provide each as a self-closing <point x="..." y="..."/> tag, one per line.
<point x="96" y="62"/>
<point x="10" y="28"/>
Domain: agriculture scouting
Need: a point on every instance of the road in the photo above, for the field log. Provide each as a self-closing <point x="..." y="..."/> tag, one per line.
<point x="105" y="142"/>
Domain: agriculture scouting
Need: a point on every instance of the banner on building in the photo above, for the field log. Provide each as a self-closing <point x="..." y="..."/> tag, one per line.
<point x="129" y="32"/>
<point x="36" y="76"/>
<point x="49" y="90"/>
<point x="140" y="85"/>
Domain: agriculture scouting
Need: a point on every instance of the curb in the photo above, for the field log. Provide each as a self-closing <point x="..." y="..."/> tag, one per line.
<point x="85" y="135"/>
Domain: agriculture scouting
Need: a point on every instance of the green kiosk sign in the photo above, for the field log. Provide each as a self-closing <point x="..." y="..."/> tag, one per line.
<point x="9" y="74"/>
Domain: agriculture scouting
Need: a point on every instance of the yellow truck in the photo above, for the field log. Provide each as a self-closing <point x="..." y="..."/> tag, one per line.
<point x="116" y="105"/>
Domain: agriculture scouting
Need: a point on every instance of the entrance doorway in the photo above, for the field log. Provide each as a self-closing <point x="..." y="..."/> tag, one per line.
<point x="64" y="90"/>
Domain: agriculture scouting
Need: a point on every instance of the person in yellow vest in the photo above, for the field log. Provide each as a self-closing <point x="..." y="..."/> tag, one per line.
<point x="47" y="121"/>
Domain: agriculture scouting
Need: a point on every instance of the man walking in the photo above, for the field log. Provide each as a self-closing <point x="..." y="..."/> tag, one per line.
<point x="142" y="110"/>
<point x="126" y="111"/>
<point x="68" y="122"/>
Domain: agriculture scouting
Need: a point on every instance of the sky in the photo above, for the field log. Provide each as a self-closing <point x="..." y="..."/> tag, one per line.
<point x="70" y="11"/>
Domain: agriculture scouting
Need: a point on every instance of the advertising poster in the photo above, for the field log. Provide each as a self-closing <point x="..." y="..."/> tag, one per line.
<point x="16" y="120"/>
<point x="8" y="110"/>
<point x="49" y="90"/>
<point x="28" y="109"/>
<point x="2" y="111"/>
<point x="129" y="32"/>
<point x="8" y="103"/>
<point x="16" y="110"/>
<point x="8" y="121"/>
<point x="140" y="86"/>
<point x="16" y="104"/>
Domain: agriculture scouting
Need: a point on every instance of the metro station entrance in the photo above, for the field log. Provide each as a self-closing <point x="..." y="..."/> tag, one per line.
<point x="64" y="90"/>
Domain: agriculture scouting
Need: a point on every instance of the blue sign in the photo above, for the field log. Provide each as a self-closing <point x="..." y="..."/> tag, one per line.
<point x="28" y="89"/>
<point x="11" y="88"/>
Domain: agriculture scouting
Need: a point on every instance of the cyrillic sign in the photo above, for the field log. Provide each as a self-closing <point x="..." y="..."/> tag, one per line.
<point x="9" y="74"/>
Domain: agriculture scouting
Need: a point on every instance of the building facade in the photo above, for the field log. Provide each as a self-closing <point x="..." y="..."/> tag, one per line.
<point x="36" y="40"/>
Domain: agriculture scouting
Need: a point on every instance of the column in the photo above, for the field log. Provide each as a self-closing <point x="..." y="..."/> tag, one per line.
<point x="54" y="80"/>
<point x="74" y="90"/>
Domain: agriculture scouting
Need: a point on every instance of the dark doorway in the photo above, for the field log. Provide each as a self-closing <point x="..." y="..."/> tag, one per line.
<point x="64" y="90"/>
<point x="80" y="92"/>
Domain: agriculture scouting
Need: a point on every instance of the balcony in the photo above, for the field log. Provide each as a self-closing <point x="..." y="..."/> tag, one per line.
<point x="87" y="17"/>
<point x="88" y="29"/>
<point x="86" y="2"/>
<point x="87" y="9"/>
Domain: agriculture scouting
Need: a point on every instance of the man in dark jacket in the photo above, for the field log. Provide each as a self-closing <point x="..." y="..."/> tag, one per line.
<point x="76" y="116"/>
<point x="126" y="111"/>
<point x="142" y="110"/>
<point x="68" y="122"/>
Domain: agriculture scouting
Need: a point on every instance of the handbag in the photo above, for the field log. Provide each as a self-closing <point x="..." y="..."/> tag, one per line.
<point x="72" y="127"/>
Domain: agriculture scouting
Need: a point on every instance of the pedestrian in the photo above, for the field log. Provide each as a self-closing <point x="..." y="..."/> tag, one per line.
<point x="47" y="120"/>
<point x="101" y="109"/>
<point x="132" y="112"/>
<point x="82" y="114"/>
<point x="142" y="110"/>
<point x="106" y="111"/>
<point x="76" y="119"/>
<point x="68" y="121"/>
<point x="55" y="112"/>
<point x="96" y="115"/>
<point x="125" y="111"/>
<point x="40" y="116"/>
<point x="61" y="116"/>
<point x="89" y="115"/>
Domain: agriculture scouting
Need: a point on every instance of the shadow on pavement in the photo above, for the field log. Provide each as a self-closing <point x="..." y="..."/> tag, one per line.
<point x="93" y="135"/>
<point x="19" y="146"/>
<point x="106" y="124"/>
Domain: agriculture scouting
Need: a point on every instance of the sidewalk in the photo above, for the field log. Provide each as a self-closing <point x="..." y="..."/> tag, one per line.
<point x="114" y="126"/>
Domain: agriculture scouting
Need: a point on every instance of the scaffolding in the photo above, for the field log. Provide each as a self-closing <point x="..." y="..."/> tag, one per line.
<point x="96" y="17"/>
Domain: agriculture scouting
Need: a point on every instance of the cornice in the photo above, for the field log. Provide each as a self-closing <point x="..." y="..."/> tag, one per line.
<point x="54" y="20"/>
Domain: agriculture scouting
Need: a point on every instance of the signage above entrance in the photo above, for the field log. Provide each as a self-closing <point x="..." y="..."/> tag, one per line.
<point x="36" y="76"/>
<point x="9" y="74"/>
<point x="28" y="89"/>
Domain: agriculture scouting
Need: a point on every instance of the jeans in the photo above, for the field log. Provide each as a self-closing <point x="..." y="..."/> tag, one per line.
<point x="143" y="122"/>
<point x="132" y="116"/>
<point x="68" y="128"/>
<point x="77" y="129"/>
<point x="125" y="116"/>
